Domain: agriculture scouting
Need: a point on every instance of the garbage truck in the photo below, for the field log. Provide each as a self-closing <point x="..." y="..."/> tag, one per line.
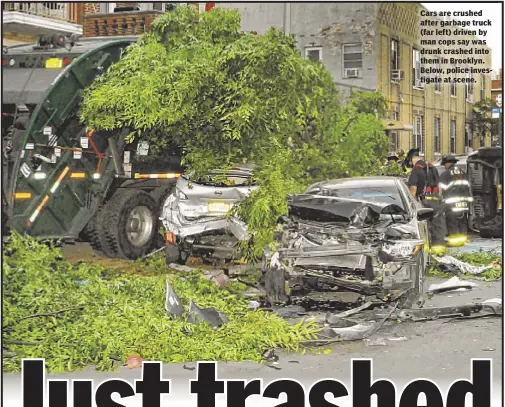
<point x="485" y="174"/>
<point x="61" y="180"/>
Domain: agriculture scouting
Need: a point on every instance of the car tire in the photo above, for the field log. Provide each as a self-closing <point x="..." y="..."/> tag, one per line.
<point x="130" y="222"/>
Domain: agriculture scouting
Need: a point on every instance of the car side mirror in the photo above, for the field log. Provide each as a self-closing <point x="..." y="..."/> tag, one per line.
<point x="425" y="214"/>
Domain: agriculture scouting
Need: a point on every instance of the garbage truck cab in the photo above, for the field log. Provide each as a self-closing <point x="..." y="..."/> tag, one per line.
<point x="62" y="180"/>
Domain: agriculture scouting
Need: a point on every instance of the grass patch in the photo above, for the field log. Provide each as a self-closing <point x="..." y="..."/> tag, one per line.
<point x="110" y="314"/>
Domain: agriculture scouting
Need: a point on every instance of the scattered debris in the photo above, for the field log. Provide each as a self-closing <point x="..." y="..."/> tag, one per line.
<point x="422" y="314"/>
<point x="253" y="305"/>
<point x="182" y="268"/>
<point x="188" y="367"/>
<point x="293" y="361"/>
<point x="210" y="315"/>
<point x="465" y="268"/>
<point x="290" y="311"/>
<point x="274" y="367"/>
<point x="333" y="317"/>
<point x="173" y="304"/>
<point x="218" y="276"/>
<point x="270" y="356"/>
<point x="133" y="361"/>
<point x="397" y="338"/>
<point x="488" y="349"/>
<point x="377" y="341"/>
<point x="453" y="284"/>
<point x="175" y="308"/>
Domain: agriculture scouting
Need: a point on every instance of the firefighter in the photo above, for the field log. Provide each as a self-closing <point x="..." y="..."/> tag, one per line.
<point x="456" y="196"/>
<point x="423" y="184"/>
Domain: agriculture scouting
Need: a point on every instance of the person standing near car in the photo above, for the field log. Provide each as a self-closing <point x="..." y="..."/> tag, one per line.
<point x="456" y="198"/>
<point x="423" y="184"/>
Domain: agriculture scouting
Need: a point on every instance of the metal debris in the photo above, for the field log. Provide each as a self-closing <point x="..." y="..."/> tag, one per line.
<point x="461" y="265"/>
<point x="453" y="284"/>
<point x="175" y="308"/>
<point x="173" y="304"/>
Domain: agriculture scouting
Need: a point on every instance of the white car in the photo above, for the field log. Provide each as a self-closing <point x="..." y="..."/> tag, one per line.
<point x="197" y="218"/>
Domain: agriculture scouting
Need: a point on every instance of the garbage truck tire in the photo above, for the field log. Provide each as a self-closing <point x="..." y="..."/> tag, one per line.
<point x="95" y="233"/>
<point x="130" y="223"/>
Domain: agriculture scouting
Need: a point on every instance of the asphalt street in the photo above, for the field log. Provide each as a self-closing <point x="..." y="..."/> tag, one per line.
<point x="440" y="350"/>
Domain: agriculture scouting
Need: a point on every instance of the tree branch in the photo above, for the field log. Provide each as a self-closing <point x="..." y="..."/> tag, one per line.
<point x="48" y="314"/>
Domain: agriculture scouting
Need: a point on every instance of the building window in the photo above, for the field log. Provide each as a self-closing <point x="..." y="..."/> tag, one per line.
<point x="438" y="132"/>
<point x="418" y="141"/>
<point x="396" y="113"/>
<point x="314" y="53"/>
<point x="416" y="69"/>
<point x="452" y="146"/>
<point x="453" y="88"/>
<point x="394" y="140"/>
<point x="164" y="6"/>
<point x="438" y="85"/>
<point x="468" y="136"/>
<point x="352" y="60"/>
<point x="107" y="7"/>
<point x="482" y="87"/>
<point x="395" y="55"/>
<point x="469" y="88"/>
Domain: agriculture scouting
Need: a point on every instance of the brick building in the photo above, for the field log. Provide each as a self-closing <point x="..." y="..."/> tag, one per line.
<point x="370" y="46"/>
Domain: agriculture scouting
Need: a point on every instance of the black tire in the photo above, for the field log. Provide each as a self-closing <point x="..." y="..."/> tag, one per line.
<point x="95" y="234"/>
<point x="160" y="195"/>
<point x="490" y="233"/>
<point x="119" y="211"/>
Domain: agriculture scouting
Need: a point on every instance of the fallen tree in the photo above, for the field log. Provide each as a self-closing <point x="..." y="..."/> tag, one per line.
<point x="228" y="97"/>
<point x="75" y="315"/>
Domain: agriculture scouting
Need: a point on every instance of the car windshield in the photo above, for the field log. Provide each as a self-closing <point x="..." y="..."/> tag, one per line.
<point x="219" y="179"/>
<point x="382" y="194"/>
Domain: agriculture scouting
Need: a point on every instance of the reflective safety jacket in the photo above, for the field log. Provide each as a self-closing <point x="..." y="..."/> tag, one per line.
<point x="455" y="189"/>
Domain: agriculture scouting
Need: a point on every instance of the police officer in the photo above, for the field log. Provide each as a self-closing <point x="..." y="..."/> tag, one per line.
<point x="456" y="198"/>
<point x="423" y="184"/>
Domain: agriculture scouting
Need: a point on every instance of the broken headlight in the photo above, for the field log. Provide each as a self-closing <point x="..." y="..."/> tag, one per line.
<point x="403" y="249"/>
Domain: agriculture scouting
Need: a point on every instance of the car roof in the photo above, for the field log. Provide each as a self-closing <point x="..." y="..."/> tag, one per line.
<point x="357" y="182"/>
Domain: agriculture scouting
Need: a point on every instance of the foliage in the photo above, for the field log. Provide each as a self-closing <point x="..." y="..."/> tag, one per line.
<point x="228" y="97"/>
<point x="110" y="315"/>
<point x="482" y="122"/>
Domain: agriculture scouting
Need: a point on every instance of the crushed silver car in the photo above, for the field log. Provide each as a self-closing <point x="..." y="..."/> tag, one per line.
<point x="345" y="242"/>
<point x="196" y="216"/>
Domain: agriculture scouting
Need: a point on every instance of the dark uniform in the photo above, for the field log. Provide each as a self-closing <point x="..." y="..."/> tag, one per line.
<point x="425" y="178"/>
<point x="456" y="198"/>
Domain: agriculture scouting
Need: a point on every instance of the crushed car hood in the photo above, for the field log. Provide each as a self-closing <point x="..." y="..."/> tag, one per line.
<point x="333" y="209"/>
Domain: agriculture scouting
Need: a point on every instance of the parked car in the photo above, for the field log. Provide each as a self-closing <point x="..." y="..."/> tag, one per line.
<point x="366" y="236"/>
<point x="196" y="216"/>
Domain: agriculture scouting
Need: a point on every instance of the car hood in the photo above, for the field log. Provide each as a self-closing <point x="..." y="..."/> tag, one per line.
<point x="334" y="209"/>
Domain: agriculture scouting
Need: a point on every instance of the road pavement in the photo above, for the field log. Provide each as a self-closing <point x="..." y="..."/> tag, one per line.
<point x="440" y="350"/>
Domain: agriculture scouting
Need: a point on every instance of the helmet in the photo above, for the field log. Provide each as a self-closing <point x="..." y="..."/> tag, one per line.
<point x="449" y="159"/>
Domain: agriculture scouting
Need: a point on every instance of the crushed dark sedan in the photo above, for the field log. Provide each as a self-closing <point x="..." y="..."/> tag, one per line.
<point x="348" y="241"/>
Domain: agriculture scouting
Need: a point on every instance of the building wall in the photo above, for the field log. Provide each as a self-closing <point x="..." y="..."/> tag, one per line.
<point x="325" y="25"/>
<point x="374" y="25"/>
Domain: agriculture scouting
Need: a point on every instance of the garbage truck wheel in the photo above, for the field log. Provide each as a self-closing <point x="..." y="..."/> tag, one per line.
<point x="130" y="222"/>
<point x="95" y="234"/>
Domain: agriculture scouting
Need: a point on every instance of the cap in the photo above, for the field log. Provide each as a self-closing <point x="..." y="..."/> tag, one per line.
<point x="449" y="159"/>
